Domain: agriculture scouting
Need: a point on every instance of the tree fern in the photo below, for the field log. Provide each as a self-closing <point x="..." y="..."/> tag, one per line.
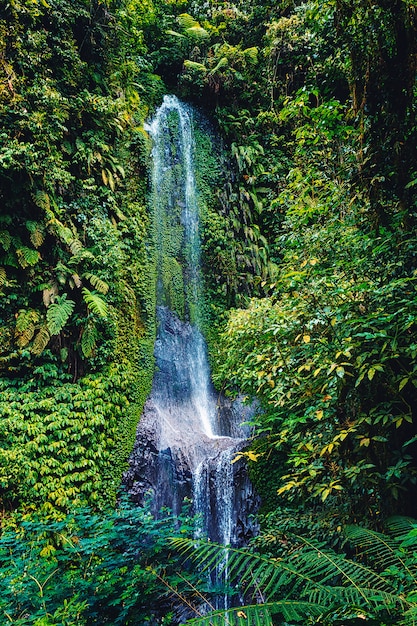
<point x="382" y="550"/>
<point x="94" y="303"/>
<point x="311" y="581"/>
<point x="260" y="614"/>
<point x="58" y="313"/>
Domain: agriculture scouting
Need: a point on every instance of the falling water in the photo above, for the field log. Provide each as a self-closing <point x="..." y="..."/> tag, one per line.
<point x="188" y="434"/>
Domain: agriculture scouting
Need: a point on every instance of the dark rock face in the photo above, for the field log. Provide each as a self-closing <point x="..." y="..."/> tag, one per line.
<point x="174" y="457"/>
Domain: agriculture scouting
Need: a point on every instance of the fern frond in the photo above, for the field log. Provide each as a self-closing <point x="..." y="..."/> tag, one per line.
<point x="381" y="550"/>
<point x="76" y="281"/>
<point x="249" y="569"/>
<point x="88" y="339"/>
<point x="36" y="233"/>
<point x="3" y="276"/>
<point x="41" y="340"/>
<point x="325" y="565"/>
<point x="58" y="313"/>
<point x="94" y="303"/>
<point x="410" y="617"/>
<point x="260" y="614"/>
<point x="399" y="526"/>
<point x="76" y="247"/>
<point x="5" y="239"/>
<point x="27" y="256"/>
<point x="96" y="282"/>
<point x="25" y="326"/>
<point x="42" y="200"/>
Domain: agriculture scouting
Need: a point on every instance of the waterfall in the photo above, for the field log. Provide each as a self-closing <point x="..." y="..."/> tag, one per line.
<point x="188" y="433"/>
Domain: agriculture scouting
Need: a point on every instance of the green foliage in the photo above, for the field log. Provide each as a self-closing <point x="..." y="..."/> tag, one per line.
<point x="88" y="568"/>
<point x="65" y="435"/>
<point x="312" y="581"/>
<point x="58" y="313"/>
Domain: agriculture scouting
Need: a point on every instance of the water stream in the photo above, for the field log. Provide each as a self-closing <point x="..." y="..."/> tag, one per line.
<point x="188" y="434"/>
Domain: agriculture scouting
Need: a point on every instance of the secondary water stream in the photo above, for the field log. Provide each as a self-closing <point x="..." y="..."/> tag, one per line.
<point x="188" y="434"/>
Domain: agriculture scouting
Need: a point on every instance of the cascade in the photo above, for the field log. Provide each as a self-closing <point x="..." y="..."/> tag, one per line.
<point x="188" y="434"/>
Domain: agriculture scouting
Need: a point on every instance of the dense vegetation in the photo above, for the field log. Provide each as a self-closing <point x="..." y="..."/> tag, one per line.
<point x="310" y="265"/>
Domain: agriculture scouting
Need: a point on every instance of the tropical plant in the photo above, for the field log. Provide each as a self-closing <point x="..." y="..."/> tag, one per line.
<point x="314" y="584"/>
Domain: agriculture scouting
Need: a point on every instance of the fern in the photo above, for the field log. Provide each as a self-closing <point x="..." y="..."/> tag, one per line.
<point x="25" y="326"/>
<point x="383" y="551"/>
<point x="97" y="283"/>
<point x="42" y="200"/>
<point x="36" y="233"/>
<point x="3" y="277"/>
<point x="27" y="256"/>
<point x="5" y="239"/>
<point x="41" y="340"/>
<point x="58" y="313"/>
<point x="309" y="582"/>
<point x="94" y="303"/>
<point x="76" y="247"/>
<point x="75" y="281"/>
<point x="88" y="339"/>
